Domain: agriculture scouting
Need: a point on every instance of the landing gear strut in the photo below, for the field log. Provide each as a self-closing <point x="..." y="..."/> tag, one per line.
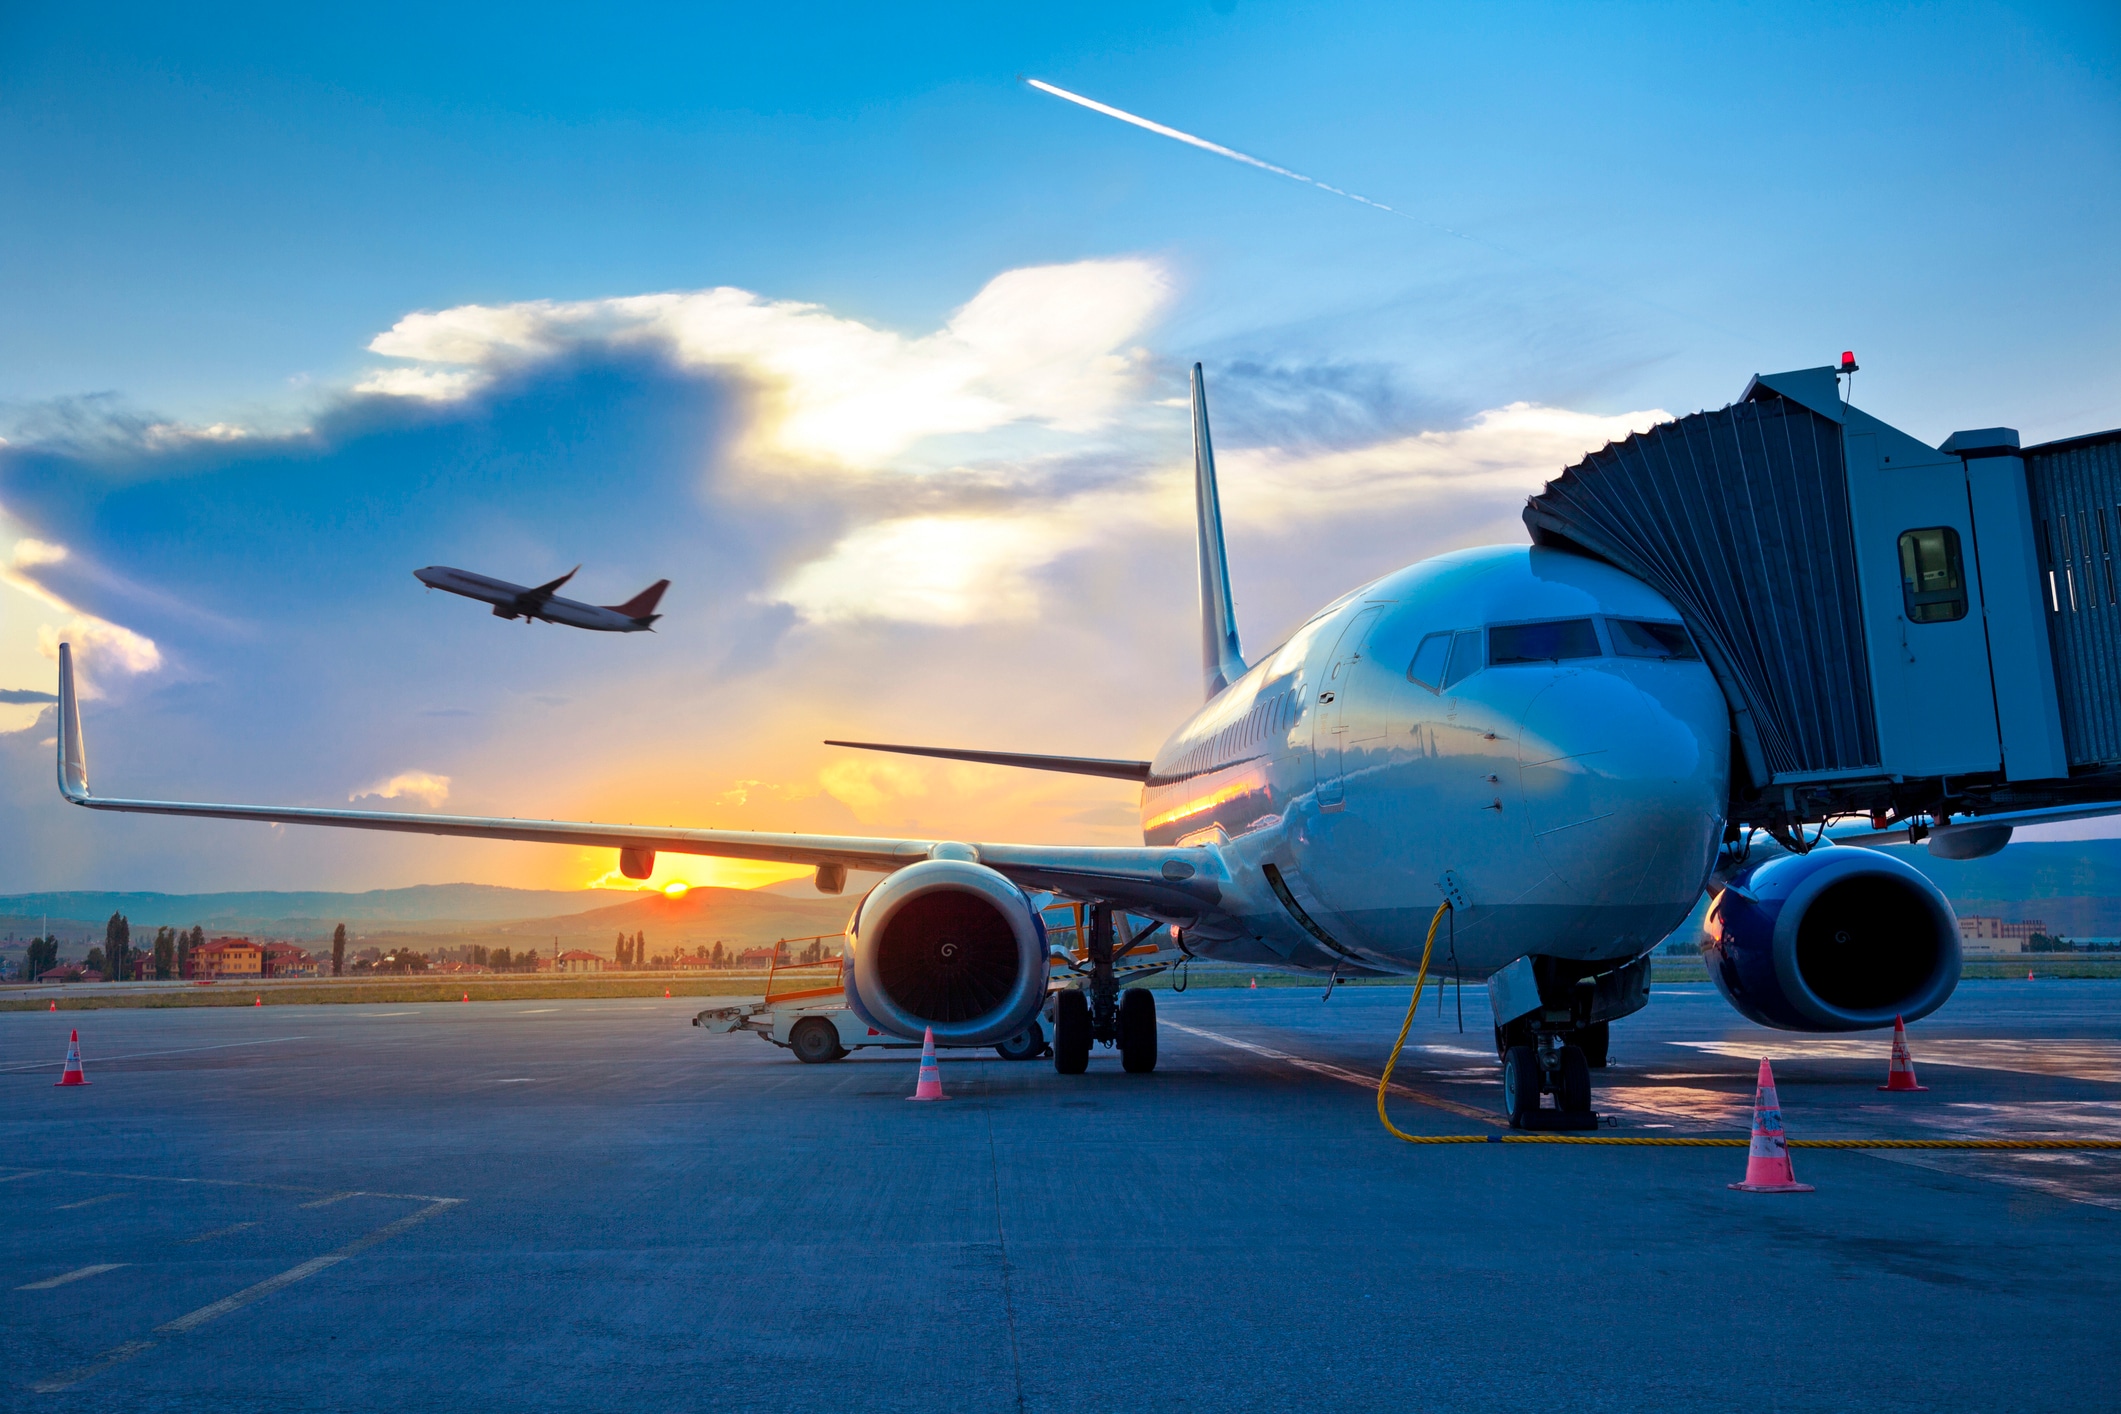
<point x="1552" y="1048"/>
<point x="1100" y="1011"/>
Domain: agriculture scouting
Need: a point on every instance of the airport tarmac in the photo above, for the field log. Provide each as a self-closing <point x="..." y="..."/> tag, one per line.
<point x="592" y="1205"/>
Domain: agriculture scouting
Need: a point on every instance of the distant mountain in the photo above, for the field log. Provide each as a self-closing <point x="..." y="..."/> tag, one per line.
<point x="299" y="915"/>
<point x="736" y="918"/>
<point x="2073" y="886"/>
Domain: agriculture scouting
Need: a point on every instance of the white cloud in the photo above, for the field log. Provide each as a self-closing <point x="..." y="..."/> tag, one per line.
<point x="983" y="567"/>
<point x="100" y="646"/>
<point x="1047" y="344"/>
<point x="420" y="785"/>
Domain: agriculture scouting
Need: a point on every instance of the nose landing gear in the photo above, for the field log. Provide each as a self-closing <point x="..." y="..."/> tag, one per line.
<point x="1552" y="1047"/>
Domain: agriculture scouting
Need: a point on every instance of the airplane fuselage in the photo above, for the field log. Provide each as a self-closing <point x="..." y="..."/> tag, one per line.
<point x="516" y="601"/>
<point x="1567" y="777"/>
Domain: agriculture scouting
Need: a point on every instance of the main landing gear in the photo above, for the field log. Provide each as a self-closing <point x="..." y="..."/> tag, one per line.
<point x="1102" y="1012"/>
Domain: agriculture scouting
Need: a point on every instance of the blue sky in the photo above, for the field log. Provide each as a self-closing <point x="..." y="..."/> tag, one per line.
<point x="913" y="469"/>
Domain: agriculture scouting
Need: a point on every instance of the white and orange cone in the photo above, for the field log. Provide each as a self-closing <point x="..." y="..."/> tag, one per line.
<point x="930" y="1085"/>
<point x="1767" y="1163"/>
<point x="1255" y="984"/>
<point x="55" y="1006"/>
<point x="73" y="1074"/>
<point x="1900" y="1075"/>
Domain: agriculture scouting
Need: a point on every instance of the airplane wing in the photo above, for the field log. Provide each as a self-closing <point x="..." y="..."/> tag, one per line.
<point x="532" y="599"/>
<point x="1175" y="885"/>
<point x="1072" y="765"/>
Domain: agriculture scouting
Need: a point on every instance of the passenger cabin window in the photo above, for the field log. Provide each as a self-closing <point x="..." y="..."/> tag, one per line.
<point x="1932" y="581"/>
<point x="1429" y="659"/>
<point x="1647" y="638"/>
<point x="1465" y="657"/>
<point x="1548" y="642"/>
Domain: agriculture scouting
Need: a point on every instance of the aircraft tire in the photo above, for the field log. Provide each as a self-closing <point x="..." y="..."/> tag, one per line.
<point x="1520" y="1084"/>
<point x="1596" y="1041"/>
<point x="1071" y="1033"/>
<point x="815" y="1041"/>
<point x="1027" y="1044"/>
<point x="1572" y="1092"/>
<point x="1137" y="1031"/>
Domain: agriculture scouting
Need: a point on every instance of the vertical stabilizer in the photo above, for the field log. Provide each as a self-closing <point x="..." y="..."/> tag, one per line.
<point x="1222" y="660"/>
<point x="73" y="757"/>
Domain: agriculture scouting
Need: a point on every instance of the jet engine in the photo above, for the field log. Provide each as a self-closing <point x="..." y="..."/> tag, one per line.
<point x="1836" y="940"/>
<point x="950" y="944"/>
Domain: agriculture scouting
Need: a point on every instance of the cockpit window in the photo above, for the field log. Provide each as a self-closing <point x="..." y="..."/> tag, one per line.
<point x="1547" y="642"/>
<point x="1429" y="660"/>
<point x="1465" y="657"/>
<point x="1647" y="638"/>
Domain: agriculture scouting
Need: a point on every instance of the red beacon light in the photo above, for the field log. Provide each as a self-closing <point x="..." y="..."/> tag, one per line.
<point x="1848" y="361"/>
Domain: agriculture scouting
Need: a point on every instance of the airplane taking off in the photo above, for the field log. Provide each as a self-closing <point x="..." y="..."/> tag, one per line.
<point x="513" y="601"/>
<point x="1527" y="741"/>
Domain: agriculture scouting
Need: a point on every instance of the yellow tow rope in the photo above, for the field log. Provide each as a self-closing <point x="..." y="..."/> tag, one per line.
<point x="1384" y="1082"/>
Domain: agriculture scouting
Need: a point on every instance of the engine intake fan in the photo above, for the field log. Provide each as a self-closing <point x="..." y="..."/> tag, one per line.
<point x="947" y="944"/>
<point x="1840" y="939"/>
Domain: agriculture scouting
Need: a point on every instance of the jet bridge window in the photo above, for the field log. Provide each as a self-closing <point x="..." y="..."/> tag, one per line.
<point x="1932" y="582"/>
<point x="1429" y="659"/>
<point x="1647" y="638"/>
<point x="1547" y="642"/>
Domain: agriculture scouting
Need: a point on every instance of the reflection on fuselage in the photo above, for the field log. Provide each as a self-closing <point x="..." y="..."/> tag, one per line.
<point x="1575" y="801"/>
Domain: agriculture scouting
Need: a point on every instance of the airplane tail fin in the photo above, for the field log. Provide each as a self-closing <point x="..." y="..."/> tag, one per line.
<point x="73" y="757"/>
<point x="642" y="605"/>
<point x="1222" y="660"/>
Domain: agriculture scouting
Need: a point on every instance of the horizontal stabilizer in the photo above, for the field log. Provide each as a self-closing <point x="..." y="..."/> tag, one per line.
<point x="642" y="605"/>
<point x="1072" y="765"/>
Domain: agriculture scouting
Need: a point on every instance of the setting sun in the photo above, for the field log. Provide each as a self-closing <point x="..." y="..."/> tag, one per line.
<point x="676" y="888"/>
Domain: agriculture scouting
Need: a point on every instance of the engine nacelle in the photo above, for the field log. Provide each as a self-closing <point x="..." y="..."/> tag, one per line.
<point x="949" y="944"/>
<point x="1836" y="940"/>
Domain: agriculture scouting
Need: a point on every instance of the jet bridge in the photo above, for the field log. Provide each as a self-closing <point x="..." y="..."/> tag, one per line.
<point x="1898" y="628"/>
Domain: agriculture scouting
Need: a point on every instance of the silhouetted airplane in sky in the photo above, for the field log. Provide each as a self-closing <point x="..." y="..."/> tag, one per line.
<point x="513" y="601"/>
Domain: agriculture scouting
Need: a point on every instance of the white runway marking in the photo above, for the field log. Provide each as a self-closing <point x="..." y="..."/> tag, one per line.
<point x="26" y="1173"/>
<point x="1367" y="1082"/>
<point x="218" y="1232"/>
<point x="330" y="1198"/>
<point x="192" y="1320"/>
<point x="372" y="1015"/>
<point x="138" y="1055"/>
<point x="541" y="1011"/>
<point x="88" y="1202"/>
<point x="77" y="1274"/>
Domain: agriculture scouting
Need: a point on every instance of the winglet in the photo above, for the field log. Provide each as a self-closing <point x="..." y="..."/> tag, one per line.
<point x="642" y="605"/>
<point x="73" y="760"/>
<point x="1222" y="660"/>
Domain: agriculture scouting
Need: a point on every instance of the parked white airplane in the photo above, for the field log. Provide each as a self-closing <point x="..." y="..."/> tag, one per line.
<point x="1524" y="732"/>
<point x="514" y="601"/>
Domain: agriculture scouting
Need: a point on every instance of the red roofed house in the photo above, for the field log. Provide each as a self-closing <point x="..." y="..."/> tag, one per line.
<point x="287" y="960"/>
<point x="579" y="961"/>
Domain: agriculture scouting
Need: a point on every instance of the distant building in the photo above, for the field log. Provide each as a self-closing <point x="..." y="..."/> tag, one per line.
<point x="287" y="960"/>
<point x="227" y="957"/>
<point x="579" y="961"/>
<point x="756" y="957"/>
<point x="1990" y="937"/>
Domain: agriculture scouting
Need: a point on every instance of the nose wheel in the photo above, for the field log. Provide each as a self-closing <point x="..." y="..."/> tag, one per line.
<point x="1547" y="1065"/>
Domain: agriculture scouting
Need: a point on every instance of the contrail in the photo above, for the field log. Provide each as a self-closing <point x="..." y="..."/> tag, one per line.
<point x="1250" y="161"/>
<point x="1206" y="146"/>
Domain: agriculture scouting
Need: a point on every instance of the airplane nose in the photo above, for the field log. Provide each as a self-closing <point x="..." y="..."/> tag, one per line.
<point x="1625" y="775"/>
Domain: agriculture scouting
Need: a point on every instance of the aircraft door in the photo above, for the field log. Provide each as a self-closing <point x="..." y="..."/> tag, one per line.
<point x="1331" y="725"/>
<point x="1923" y="615"/>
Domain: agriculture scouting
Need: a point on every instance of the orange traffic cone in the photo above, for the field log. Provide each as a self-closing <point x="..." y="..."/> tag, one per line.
<point x="73" y="1074"/>
<point x="257" y="1001"/>
<point x="55" y="1006"/>
<point x="930" y="1085"/>
<point x="1255" y="984"/>
<point x="666" y="991"/>
<point x="465" y="998"/>
<point x="1900" y="1074"/>
<point x="1767" y="1163"/>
